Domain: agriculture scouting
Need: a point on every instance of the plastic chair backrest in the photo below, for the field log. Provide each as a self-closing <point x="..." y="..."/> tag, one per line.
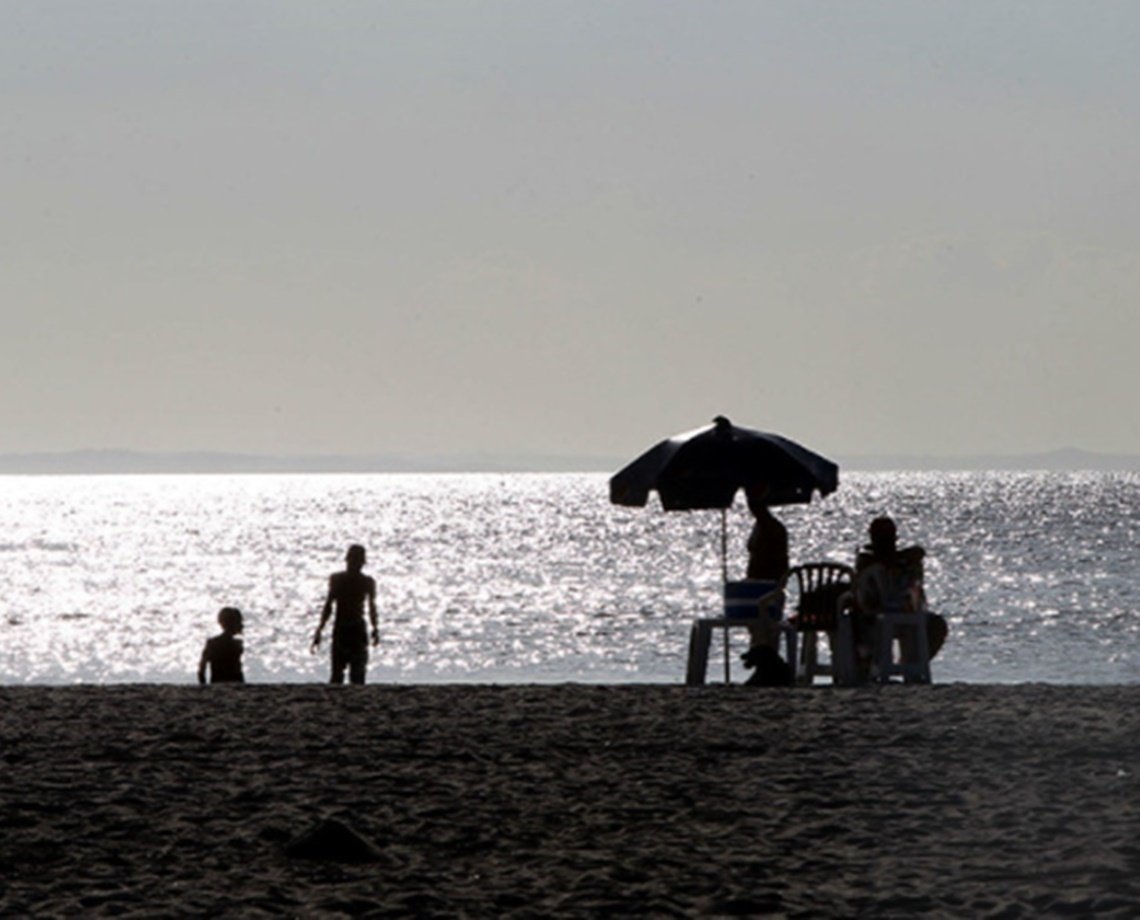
<point x="893" y="585"/>
<point x="820" y="585"/>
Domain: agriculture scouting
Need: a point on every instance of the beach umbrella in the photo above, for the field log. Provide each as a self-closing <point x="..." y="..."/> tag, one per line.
<point x="705" y="468"/>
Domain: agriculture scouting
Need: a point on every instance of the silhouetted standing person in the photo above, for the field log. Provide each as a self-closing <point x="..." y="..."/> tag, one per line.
<point x="767" y="563"/>
<point x="348" y="592"/>
<point x="222" y="653"/>
<point x="768" y="542"/>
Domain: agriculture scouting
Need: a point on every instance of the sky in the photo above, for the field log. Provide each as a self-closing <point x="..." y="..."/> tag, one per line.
<point x="545" y="228"/>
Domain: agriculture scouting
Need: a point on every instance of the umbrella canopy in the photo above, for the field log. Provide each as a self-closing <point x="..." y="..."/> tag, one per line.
<point x="705" y="468"/>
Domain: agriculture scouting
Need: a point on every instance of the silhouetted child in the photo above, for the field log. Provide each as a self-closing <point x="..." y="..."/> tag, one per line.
<point x="349" y="592"/>
<point x="223" y="653"/>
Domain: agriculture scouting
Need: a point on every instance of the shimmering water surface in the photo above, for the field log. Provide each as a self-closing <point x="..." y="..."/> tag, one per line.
<point x="535" y="577"/>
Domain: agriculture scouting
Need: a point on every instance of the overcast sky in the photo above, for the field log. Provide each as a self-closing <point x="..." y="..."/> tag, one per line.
<point x="568" y="228"/>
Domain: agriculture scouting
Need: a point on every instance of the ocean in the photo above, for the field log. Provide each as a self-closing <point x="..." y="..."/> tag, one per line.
<point x="518" y="578"/>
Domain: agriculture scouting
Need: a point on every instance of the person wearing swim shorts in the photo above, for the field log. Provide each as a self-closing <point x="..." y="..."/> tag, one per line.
<point x="349" y="593"/>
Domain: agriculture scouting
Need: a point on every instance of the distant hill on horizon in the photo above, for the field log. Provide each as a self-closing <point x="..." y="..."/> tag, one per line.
<point x="89" y="462"/>
<point x="1065" y="459"/>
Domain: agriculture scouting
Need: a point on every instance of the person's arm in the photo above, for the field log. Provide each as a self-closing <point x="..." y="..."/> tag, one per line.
<point x="202" y="663"/>
<point x="782" y="548"/>
<point x="326" y="612"/>
<point x="912" y="558"/>
<point x="372" y="612"/>
<point x="868" y="592"/>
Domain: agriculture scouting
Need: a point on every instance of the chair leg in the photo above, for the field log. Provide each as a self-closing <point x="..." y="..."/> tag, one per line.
<point x="697" y="667"/>
<point x="884" y="653"/>
<point x="727" y="659"/>
<point x="805" y="670"/>
<point x="843" y="664"/>
<point x="914" y="649"/>
<point x="918" y="658"/>
<point x="790" y="646"/>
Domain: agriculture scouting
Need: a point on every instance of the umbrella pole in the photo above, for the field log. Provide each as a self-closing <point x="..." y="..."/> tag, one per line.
<point x="724" y="544"/>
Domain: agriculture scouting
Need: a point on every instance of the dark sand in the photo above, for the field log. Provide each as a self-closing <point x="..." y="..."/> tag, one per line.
<point x="526" y="801"/>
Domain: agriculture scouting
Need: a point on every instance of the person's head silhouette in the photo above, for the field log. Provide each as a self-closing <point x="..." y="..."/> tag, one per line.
<point x="884" y="536"/>
<point x="757" y="497"/>
<point x="355" y="557"/>
<point x="229" y="618"/>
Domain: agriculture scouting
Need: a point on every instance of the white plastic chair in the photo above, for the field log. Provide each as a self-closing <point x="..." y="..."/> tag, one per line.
<point x="821" y="601"/>
<point x="900" y="624"/>
<point x="913" y="661"/>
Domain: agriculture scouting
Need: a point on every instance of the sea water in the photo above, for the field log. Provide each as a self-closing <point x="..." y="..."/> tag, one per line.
<point x="535" y="578"/>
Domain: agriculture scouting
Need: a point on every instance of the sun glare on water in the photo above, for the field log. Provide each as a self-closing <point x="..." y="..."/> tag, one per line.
<point x="536" y="577"/>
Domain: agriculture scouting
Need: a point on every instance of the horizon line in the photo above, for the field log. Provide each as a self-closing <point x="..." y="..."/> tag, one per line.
<point x="127" y="461"/>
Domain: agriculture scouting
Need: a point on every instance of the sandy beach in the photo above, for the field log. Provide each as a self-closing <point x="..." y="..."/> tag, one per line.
<point x="571" y="800"/>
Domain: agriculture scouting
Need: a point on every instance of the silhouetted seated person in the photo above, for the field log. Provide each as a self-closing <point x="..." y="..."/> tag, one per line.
<point x="222" y="654"/>
<point x="890" y="580"/>
<point x="348" y="593"/>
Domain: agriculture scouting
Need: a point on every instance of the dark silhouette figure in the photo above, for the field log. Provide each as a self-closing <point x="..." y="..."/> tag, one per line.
<point x="768" y="542"/>
<point x="222" y="654"/>
<point x="767" y="564"/>
<point x="348" y="592"/>
<point x="768" y="668"/>
<point x="889" y="578"/>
